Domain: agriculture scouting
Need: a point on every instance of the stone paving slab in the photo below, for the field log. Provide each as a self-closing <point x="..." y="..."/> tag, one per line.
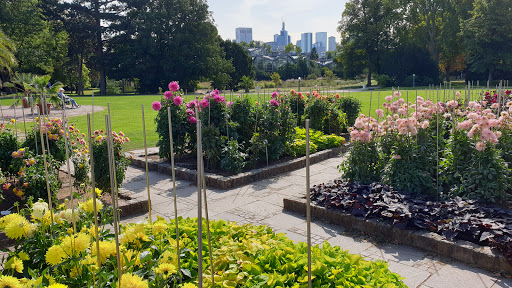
<point x="261" y="203"/>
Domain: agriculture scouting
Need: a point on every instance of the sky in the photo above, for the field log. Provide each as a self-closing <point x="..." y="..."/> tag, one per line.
<point x="265" y="17"/>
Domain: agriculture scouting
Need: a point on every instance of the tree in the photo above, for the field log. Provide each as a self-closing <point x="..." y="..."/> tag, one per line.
<point x="487" y="37"/>
<point x="276" y="78"/>
<point x="247" y="83"/>
<point x="40" y="46"/>
<point x="164" y="40"/>
<point x="241" y="63"/>
<point x="367" y="24"/>
<point x="313" y="55"/>
<point x="289" y="48"/>
<point x="298" y="50"/>
<point x="7" y="59"/>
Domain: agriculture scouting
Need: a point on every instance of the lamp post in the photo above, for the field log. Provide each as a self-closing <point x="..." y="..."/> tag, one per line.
<point x="299" y="83"/>
<point x="413" y="76"/>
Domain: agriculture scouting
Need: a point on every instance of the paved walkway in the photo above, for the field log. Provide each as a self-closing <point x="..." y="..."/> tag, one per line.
<point x="261" y="203"/>
<point x="10" y="112"/>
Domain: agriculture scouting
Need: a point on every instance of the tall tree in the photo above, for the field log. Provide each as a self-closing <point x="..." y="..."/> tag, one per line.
<point x="240" y="61"/>
<point x="7" y="59"/>
<point x="163" y="40"/>
<point x="369" y="25"/>
<point x="488" y="36"/>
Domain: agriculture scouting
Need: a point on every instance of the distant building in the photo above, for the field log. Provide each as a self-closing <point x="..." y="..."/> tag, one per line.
<point x="320" y="48"/>
<point x="332" y="43"/>
<point x="306" y="42"/>
<point x="243" y="35"/>
<point x="299" y="44"/>
<point x="282" y="39"/>
<point x="321" y="42"/>
<point x="273" y="46"/>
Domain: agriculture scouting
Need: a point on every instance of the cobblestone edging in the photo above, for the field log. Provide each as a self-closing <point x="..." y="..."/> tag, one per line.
<point x="223" y="182"/>
<point x="463" y="251"/>
<point x="132" y="205"/>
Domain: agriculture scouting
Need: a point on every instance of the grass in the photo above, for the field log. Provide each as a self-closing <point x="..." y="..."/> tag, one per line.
<point x="126" y="110"/>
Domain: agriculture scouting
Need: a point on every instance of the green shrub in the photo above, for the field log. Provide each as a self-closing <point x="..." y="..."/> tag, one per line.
<point x="243" y="115"/>
<point x="101" y="163"/>
<point x="233" y="159"/>
<point x="363" y="163"/>
<point x="113" y="87"/>
<point x="351" y="107"/>
<point x="8" y="144"/>
<point x="318" y="141"/>
<point x="384" y="81"/>
<point x="181" y="129"/>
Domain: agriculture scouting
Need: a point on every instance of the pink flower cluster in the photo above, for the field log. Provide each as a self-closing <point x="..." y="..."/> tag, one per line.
<point x="273" y="102"/>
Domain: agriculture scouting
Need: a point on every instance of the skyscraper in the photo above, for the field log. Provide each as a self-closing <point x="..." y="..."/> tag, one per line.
<point x="243" y="35"/>
<point x="321" y="42"/>
<point x="306" y="41"/>
<point x="299" y="44"/>
<point x="282" y="39"/>
<point x="332" y="43"/>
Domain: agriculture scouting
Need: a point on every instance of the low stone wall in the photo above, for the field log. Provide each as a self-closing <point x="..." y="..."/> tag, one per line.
<point x="229" y="182"/>
<point x="463" y="251"/>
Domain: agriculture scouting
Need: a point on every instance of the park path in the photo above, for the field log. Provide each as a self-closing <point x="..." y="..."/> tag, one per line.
<point x="261" y="203"/>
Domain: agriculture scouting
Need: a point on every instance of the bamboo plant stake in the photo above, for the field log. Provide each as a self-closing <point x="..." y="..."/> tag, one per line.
<point x="68" y="164"/>
<point x="93" y="187"/>
<point x="114" y="195"/>
<point x="210" y="254"/>
<point x="50" y="206"/>
<point x="15" y="122"/>
<point x="2" y="111"/>
<point x="199" y="206"/>
<point x="308" y="205"/>
<point x="437" y="147"/>
<point x="35" y="125"/>
<point x="146" y="159"/>
<point x="24" y="121"/>
<point x="113" y="158"/>
<point x="174" y="189"/>
<point x="92" y="112"/>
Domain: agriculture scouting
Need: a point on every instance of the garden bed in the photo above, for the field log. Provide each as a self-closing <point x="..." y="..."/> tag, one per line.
<point x="350" y="208"/>
<point x="228" y="182"/>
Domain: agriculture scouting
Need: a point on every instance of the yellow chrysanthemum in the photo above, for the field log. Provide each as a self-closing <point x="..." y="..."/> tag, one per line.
<point x="39" y="209"/>
<point x="133" y="281"/>
<point x="107" y="249"/>
<point x="17" y="264"/>
<point x="9" y="219"/>
<point x="18" y="228"/>
<point x="9" y="282"/>
<point x="55" y="254"/>
<point x="75" y="244"/>
<point x="98" y="192"/>
<point x="88" y="206"/>
<point x="189" y="285"/>
<point x="166" y="270"/>
<point x="131" y="232"/>
<point x="130" y="255"/>
<point x="57" y="285"/>
<point x="68" y="215"/>
<point x="26" y="283"/>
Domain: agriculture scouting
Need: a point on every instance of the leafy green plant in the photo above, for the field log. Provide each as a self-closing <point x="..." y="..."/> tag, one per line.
<point x="181" y="128"/>
<point x="246" y="83"/>
<point x="318" y="141"/>
<point x="8" y="144"/>
<point x="351" y="107"/>
<point x="101" y="162"/>
<point x="233" y="159"/>
<point x="363" y="164"/>
<point x="243" y="115"/>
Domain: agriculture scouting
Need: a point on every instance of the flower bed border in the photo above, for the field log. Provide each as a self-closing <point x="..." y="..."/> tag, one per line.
<point x="463" y="251"/>
<point x="229" y="182"/>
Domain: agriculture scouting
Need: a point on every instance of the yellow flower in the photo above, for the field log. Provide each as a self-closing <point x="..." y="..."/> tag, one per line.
<point x="159" y="228"/>
<point x="9" y="219"/>
<point x="75" y="244"/>
<point x="98" y="191"/>
<point x="88" y="206"/>
<point x="133" y="281"/>
<point x="39" y="209"/>
<point x="107" y="249"/>
<point x="189" y="285"/>
<point x="166" y="270"/>
<point x="17" y="265"/>
<point x="9" y="281"/>
<point x="18" y="227"/>
<point x="55" y="254"/>
<point x="26" y="283"/>
<point x="57" y="285"/>
<point x="13" y="121"/>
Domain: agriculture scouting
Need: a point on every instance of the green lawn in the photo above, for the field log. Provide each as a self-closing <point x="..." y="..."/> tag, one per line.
<point x="127" y="114"/>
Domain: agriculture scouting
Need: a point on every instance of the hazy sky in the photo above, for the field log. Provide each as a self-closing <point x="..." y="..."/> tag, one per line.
<point x="264" y="17"/>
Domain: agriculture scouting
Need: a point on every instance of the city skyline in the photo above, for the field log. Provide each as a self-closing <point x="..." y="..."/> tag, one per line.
<point x="266" y="17"/>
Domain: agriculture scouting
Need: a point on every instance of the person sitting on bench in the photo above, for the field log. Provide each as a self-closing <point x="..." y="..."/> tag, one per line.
<point x="66" y="100"/>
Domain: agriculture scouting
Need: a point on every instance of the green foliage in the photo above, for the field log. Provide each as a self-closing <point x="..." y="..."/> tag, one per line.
<point x="276" y="78"/>
<point x="101" y="162"/>
<point x="82" y="170"/>
<point x="8" y="144"/>
<point x="113" y="87"/>
<point x="297" y="105"/>
<point x="57" y="147"/>
<point x="363" y="164"/>
<point x="246" y="83"/>
<point x="351" y="107"/>
<point x="318" y="141"/>
<point x="31" y="179"/>
<point x="384" y="81"/>
<point x="181" y="129"/>
<point x="212" y="145"/>
<point x="242" y="65"/>
<point x="233" y="159"/>
<point x="242" y="113"/>
<point x="325" y="117"/>
<point x="7" y="49"/>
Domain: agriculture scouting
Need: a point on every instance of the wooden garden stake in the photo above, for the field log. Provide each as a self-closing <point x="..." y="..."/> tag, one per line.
<point x="210" y="254"/>
<point x="92" y="112"/>
<point x="47" y="180"/>
<point x="34" y="127"/>
<point x="93" y="187"/>
<point x="199" y="207"/>
<point x="437" y="146"/>
<point x="15" y="122"/>
<point x="113" y="189"/>
<point x="68" y="164"/>
<point x="113" y="159"/>
<point x="308" y="205"/>
<point x="2" y="111"/>
<point x="146" y="159"/>
<point x="174" y="189"/>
